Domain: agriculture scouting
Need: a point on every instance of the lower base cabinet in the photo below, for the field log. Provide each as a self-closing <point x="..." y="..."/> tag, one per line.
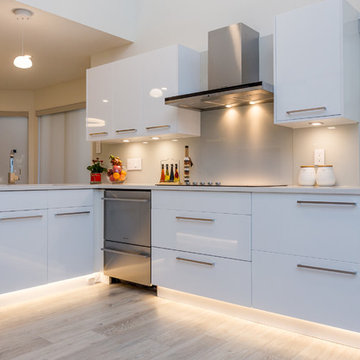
<point x="209" y="276"/>
<point x="23" y="243"/>
<point x="70" y="243"/>
<point x="311" y="289"/>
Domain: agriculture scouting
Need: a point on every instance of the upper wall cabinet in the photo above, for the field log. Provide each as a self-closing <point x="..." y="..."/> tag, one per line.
<point x="317" y="57"/>
<point x="125" y="99"/>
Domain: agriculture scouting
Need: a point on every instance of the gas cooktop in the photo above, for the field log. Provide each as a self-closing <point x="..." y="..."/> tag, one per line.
<point x="218" y="184"/>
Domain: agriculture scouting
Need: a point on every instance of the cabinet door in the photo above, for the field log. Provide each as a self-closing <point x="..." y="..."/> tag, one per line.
<point x="70" y="243"/>
<point x="160" y="80"/>
<point x="22" y="249"/>
<point x="127" y="98"/>
<point x="99" y="102"/>
<point x="308" y="62"/>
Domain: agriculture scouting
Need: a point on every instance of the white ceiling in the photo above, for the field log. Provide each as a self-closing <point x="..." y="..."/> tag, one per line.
<point x="60" y="48"/>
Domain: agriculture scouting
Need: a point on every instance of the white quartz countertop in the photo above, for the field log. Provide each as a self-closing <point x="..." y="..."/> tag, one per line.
<point x="334" y="190"/>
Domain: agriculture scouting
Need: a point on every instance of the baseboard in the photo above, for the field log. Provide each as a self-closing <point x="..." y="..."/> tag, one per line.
<point x="319" y="331"/>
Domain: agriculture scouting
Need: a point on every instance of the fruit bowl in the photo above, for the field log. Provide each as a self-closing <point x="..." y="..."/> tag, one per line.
<point x="117" y="173"/>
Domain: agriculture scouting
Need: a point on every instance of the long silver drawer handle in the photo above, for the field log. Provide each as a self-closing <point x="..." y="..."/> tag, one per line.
<point x="125" y="131"/>
<point x="73" y="213"/>
<point x="304" y="110"/>
<point x="195" y="261"/>
<point x="124" y="199"/>
<point x="124" y="253"/>
<point x="326" y="269"/>
<point x="157" y="127"/>
<point x="99" y="133"/>
<point x="22" y="217"/>
<point x="341" y="203"/>
<point x="194" y="219"/>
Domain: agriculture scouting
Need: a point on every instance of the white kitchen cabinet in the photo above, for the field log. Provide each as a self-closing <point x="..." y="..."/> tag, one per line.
<point x="321" y="226"/>
<point x="23" y="244"/>
<point x="128" y="104"/>
<point x="168" y="72"/>
<point x="99" y="102"/>
<point x="225" y="235"/>
<point x="209" y="276"/>
<point x="136" y="88"/>
<point x="317" y="56"/>
<point x="307" y="288"/>
<point x="70" y="243"/>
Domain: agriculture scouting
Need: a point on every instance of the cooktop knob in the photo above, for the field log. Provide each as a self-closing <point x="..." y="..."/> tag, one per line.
<point x="194" y="183"/>
<point x="202" y="183"/>
<point x="210" y="182"/>
<point x="218" y="183"/>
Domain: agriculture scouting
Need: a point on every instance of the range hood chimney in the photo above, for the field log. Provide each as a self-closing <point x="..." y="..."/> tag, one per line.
<point x="233" y="72"/>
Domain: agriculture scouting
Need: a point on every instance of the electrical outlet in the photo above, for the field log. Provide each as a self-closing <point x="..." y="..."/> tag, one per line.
<point x="319" y="157"/>
<point x="134" y="164"/>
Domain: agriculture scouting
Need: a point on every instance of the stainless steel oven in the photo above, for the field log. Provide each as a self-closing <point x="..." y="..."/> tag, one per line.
<point x="127" y="235"/>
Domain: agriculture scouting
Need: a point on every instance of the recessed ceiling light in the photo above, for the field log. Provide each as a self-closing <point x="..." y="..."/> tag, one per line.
<point x="174" y="140"/>
<point x="252" y="102"/>
<point x="155" y="138"/>
<point x="331" y="127"/>
<point x="126" y="140"/>
<point x="316" y="123"/>
<point x="164" y="88"/>
<point x="145" y="142"/>
<point x="228" y="106"/>
<point x="105" y="100"/>
<point x="155" y="93"/>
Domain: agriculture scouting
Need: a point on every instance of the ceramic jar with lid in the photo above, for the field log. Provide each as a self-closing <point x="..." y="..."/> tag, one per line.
<point x="325" y="175"/>
<point x="307" y="176"/>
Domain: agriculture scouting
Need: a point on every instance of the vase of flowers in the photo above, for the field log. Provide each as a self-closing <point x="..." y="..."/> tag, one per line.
<point x="96" y="169"/>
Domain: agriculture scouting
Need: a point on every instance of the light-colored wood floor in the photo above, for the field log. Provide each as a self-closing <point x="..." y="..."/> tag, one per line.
<point x="119" y="322"/>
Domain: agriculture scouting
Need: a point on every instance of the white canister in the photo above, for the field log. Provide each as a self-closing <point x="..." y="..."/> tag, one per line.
<point x="307" y="175"/>
<point x="325" y="175"/>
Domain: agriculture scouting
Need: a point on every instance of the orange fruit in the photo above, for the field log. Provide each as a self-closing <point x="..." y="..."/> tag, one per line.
<point x="116" y="176"/>
<point x="123" y="172"/>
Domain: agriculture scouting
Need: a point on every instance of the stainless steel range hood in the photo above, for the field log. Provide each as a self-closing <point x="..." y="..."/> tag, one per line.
<point x="233" y="72"/>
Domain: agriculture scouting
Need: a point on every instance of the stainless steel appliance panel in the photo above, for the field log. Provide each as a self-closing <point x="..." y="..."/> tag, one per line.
<point x="127" y="217"/>
<point x="128" y="262"/>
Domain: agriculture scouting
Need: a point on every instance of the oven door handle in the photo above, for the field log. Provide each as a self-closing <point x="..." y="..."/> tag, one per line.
<point x="127" y="200"/>
<point x="125" y="253"/>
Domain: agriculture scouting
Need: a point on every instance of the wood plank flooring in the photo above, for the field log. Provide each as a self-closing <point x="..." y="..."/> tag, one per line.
<point x="120" y="322"/>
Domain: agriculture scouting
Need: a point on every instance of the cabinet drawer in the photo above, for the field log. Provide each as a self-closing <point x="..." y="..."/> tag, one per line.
<point x="217" y="278"/>
<point x="303" y="288"/>
<point x="70" y="198"/>
<point x="307" y="225"/>
<point x="23" y="200"/>
<point x="219" y="202"/>
<point x="226" y="235"/>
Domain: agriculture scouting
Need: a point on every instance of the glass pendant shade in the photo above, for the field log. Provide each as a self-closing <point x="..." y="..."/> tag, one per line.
<point x="23" y="61"/>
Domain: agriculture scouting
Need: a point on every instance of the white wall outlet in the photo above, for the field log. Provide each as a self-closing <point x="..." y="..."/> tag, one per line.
<point x="134" y="164"/>
<point x="319" y="157"/>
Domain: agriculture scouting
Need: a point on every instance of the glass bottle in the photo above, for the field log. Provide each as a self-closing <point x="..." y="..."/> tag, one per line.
<point x="187" y="164"/>
<point x="172" y="173"/>
<point x="167" y="175"/>
<point x="176" y="175"/>
<point x="162" y="176"/>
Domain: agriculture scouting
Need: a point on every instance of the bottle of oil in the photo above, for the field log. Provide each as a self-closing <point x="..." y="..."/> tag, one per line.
<point x="176" y="175"/>
<point x="162" y="176"/>
<point x="172" y="173"/>
<point x="167" y="175"/>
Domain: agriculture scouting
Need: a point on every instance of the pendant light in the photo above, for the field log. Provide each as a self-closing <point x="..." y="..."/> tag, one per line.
<point x="22" y="61"/>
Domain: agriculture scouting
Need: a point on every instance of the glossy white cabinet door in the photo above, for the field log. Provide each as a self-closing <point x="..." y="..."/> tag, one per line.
<point x="168" y="72"/>
<point x="127" y="79"/>
<point x="316" y="56"/>
<point x="22" y="249"/>
<point x="308" y="61"/>
<point x="224" y="235"/>
<point x="322" y="226"/>
<point x="301" y="287"/>
<point x="222" y="279"/>
<point x="99" y="102"/>
<point x="70" y="243"/>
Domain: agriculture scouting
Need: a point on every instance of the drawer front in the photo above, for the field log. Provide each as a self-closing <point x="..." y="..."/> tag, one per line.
<point x="23" y="200"/>
<point x="307" y="225"/>
<point x="225" y="235"/>
<point x="311" y="289"/>
<point x="217" y="278"/>
<point x="70" y="198"/>
<point x="219" y="202"/>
